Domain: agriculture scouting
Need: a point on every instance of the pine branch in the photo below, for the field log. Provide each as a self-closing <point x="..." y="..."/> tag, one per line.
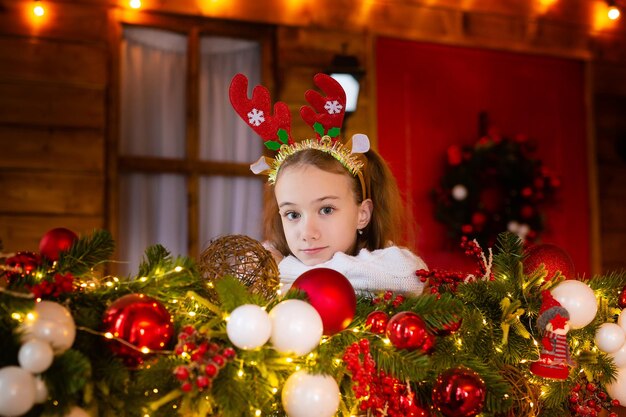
<point x="87" y="253"/>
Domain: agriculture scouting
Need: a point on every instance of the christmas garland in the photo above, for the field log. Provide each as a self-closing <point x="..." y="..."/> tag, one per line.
<point x="494" y="186"/>
<point x="174" y="340"/>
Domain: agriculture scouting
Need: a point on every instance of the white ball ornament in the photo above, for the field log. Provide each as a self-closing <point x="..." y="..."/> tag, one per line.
<point x="617" y="388"/>
<point x="17" y="391"/>
<point x="52" y="323"/>
<point x="308" y="395"/>
<point x="610" y="337"/>
<point x="35" y="356"/>
<point x="579" y="301"/>
<point x="459" y="192"/>
<point x="249" y="327"/>
<point x="621" y="320"/>
<point x="296" y="327"/>
<point x="619" y="356"/>
<point x="41" y="391"/>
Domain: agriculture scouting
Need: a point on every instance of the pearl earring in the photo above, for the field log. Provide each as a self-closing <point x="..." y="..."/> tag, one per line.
<point x="360" y="232"/>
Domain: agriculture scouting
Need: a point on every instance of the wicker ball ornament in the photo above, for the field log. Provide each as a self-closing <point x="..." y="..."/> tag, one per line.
<point x="244" y="258"/>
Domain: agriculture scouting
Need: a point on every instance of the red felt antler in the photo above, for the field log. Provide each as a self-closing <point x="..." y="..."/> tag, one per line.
<point x="329" y="110"/>
<point x="274" y="129"/>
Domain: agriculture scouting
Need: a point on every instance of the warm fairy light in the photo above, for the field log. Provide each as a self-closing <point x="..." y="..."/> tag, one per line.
<point x="459" y="342"/>
<point x="506" y="396"/>
<point x="174" y="406"/>
<point x="116" y="279"/>
<point x="143" y="279"/>
<point x="135" y="4"/>
<point x="497" y="349"/>
<point x="192" y="314"/>
<point x="257" y="413"/>
<point x="178" y="269"/>
<point x="355" y="330"/>
<point x="484" y="322"/>
<point x="274" y="390"/>
<point x="535" y="342"/>
<point x="298" y="368"/>
<point x="240" y="373"/>
<point x="108" y="335"/>
<point x="532" y="404"/>
<point x="311" y="355"/>
<point x="145" y="350"/>
<point x="386" y="341"/>
<point x="16" y="316"/>
<point x="109" y="284"/>
<point x="288" y="360"/>
<point x="173" y="301"/>
<point x="31" y="316"/>
<point x="613" y="13"/>
<point x="156" y="390"/>
<point x="523" y="361"/>
<point x="337" y="361"/>
<point x="279" y="292"/>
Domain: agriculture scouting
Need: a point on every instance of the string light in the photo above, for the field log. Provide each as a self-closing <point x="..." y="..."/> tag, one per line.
<point x="613" y="12"/>
<point x="135" y="4"/>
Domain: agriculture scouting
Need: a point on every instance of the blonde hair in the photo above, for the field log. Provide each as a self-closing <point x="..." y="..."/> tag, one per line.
<point x="385" y="224"/>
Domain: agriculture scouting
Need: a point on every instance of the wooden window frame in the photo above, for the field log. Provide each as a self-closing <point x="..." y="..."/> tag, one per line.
<point x="190" y="166"/>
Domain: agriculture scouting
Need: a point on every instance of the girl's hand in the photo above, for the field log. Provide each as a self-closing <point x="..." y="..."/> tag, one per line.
<point x="271" y="249"/>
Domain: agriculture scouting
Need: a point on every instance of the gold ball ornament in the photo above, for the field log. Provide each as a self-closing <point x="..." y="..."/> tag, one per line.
<point x="244" y="258"/>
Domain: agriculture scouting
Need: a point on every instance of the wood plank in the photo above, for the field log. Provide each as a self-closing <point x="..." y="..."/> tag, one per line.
<point x="62" y="20"/>
<point x="52" y="61"/>
<point x="612" y="178"/>
<point x="23" y="232"/>
<point x="162" y="165"/>
<point x="51" y="193"/>
<point x="52" y="149"/>
<point x="51" y="105"/>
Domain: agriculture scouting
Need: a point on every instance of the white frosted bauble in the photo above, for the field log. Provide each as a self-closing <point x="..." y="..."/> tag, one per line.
<point x="35" y="356"/>
<point x="41" y="391"/>
<point x="619" y="356"/>
<point x="617" y="388"/>
<point x="579" y="301"/>
<point x="459" y="192"/>
<point x="77" y="412"/>
<point x="249" y="327"/>
<point x="308" y="395"/>
<point x="17" y="391"/>
<point x="52" y="323"/>
<point x="296" y="327"/>
<point x="621" y="320"/>
<point x="610" y="337"/>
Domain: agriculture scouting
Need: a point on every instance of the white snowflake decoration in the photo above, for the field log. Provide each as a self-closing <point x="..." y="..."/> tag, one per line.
<point x="256" y="117"/>
<point x="333" y="107"/>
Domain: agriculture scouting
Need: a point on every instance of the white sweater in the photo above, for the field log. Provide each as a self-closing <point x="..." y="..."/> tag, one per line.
<point x="392" y="268"/>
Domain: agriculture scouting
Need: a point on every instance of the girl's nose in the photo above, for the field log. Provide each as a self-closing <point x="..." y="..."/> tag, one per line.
<point x="310" y="230"/>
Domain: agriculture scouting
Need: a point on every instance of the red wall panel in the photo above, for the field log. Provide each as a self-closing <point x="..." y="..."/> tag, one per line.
<point x="429" y="97"/>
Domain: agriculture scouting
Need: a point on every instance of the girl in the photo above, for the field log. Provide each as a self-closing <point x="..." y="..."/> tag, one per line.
<point x="332" y="206"/>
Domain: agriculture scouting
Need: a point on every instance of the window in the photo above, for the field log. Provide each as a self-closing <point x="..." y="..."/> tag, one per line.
<point x="182" y="158"/>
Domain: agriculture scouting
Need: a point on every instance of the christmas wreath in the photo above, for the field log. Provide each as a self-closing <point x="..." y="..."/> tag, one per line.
<point x="494" y="186"/>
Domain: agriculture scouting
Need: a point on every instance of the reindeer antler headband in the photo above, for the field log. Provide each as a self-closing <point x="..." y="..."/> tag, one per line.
<point x="325" y="115"/>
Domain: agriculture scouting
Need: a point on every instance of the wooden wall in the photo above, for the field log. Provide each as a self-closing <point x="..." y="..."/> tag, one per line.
<point x="55" y="88"/>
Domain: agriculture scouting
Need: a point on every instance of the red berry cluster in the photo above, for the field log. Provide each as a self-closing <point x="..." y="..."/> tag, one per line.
<point x="441" y="281"/>
<point x="20" y="265"/>
<point x="387" y="298"/>
<point x="60" y="284"/>
<point x="207" y="358"/>
<point x="382" y="394"/>
<point x="589" y="400"/>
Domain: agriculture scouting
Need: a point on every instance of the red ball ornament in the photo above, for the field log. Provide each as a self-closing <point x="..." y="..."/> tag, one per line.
<point x="331" y="294"/>
<point x="407" y="330"/>
<point x="459" y="392"/>
<point x="377" y="321"/>
<point x="554" y="259"/>
<point x="55" y="241"/>
<point x="24" y="263"/>
<point x="139" y="320"/>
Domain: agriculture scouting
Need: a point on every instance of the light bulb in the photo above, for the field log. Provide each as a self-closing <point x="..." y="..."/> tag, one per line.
<point x="613" y="13"/>
<point x="38" y="9"/>
<point x="135" y="4"/>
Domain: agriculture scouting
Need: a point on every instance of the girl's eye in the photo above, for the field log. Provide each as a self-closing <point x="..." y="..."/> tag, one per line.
<point x="291" y="215"/>
<point x="327" y="210"/>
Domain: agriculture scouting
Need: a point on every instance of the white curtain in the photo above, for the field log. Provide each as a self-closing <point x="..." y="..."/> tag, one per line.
<point x="228" y="205"/>
<point x="153" y="207"/>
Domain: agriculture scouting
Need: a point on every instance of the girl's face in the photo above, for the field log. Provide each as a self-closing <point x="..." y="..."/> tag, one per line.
<point x="319" y="212"/>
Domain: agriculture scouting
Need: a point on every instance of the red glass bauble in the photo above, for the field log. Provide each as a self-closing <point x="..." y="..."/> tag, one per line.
<point x="377" y="321"/>
<point x="553" y="257"/>
<point x="449" y="328"/>
<point x="621" y="301"/>
<point x="331" y="294"/>
<point x="139" y="320"/>
<point x="459" y="392"/>
<point x="55" y="241"/>
<point x="26" y="262"/>
<point x="407" y="330"/>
